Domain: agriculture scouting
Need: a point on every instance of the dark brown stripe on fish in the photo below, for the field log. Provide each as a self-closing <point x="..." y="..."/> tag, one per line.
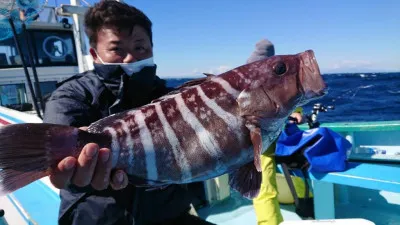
<point x="214" y="90"/>
<point x="223" y="126"/>
<point x="137" y="166"/>
<point x="187" y="137"/>
<point x="166" y="163"/>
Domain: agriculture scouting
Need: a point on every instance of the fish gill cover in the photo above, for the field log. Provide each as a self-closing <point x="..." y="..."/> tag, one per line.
<point x="19" y="11"/>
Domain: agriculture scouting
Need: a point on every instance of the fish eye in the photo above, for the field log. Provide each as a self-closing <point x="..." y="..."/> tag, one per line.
<point x="280" y="68"/>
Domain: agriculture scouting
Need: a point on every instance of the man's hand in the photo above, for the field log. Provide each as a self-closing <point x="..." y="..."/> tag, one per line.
<point x="92" y="167"/>
<point x="298" y="117"/>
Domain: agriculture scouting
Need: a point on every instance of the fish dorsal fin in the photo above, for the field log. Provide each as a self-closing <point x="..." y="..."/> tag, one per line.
<point x="168" y="95"/>
<point x="197" y="81"/>
<point x="182" y="87"/>
<point x="194" y="82"/>
<point x="209" y="74"/>
<point x="246" y="180"/>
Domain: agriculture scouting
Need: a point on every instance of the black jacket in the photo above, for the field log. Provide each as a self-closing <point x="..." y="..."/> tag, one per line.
<point x="88" y="97"/>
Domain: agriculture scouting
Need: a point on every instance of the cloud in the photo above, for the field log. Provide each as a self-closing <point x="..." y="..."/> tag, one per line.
<point x="354" y="66"/>
<point x="351" y="64"/>
<point x="196" y="72"/>
<point x="219" y="69"/>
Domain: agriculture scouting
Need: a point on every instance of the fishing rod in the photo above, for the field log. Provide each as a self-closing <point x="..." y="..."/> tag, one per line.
<point x="28" y="39"/>
<point x="312" y="118"/>
<point x="27" y="76"/>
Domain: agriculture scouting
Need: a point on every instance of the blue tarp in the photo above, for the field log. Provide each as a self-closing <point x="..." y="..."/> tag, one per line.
<point x="325" y="149"/>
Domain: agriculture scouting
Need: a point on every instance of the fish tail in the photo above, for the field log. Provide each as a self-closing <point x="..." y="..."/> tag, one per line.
<point x="30" y="151"/>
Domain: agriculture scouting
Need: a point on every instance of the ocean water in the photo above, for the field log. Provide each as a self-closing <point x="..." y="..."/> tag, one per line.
<point x="355" y="96"/>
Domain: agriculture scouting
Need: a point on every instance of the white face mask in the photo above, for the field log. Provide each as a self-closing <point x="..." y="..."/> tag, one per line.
<point x="132" y="67"/>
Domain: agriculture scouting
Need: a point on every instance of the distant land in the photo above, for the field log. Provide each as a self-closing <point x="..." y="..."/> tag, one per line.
<point x="360" y="73"/>
<point x="358" y="70"/>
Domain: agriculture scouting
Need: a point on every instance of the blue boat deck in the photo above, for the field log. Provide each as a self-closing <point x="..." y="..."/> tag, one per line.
<point x="239" y="210"/>
<point x="354" y="200"/>
<point x="366" y="190"/>
<point x="3" y="222"/>
<point x="379" y="207"/>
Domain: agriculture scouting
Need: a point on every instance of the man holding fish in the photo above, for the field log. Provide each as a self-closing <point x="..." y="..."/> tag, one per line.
<point x="159" y="137"/>
<point x="124" y="77"/>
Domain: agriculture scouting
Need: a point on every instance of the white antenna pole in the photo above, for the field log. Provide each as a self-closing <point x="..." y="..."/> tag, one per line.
<point x="81" y="49"/>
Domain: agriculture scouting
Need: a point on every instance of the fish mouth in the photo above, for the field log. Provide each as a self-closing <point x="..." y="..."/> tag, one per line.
<point x="312" y="83"/>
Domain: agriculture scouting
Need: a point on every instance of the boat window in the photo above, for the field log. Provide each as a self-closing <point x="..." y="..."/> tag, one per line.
<point x="47" y="87"/>
<point x="9" y="56"/>
<point x="50" y="48"/>
<point x="55" y="48"/>
<point x="12" y="94"/>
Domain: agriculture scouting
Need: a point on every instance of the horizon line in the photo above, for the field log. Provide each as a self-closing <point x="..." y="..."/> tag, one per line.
<point x="327" y="73"/>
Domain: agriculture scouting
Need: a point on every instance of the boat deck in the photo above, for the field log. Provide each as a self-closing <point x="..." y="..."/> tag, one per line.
<point x="379" y="207"/>
<point x="368" y="190"/>
<point x="239" y="210"/>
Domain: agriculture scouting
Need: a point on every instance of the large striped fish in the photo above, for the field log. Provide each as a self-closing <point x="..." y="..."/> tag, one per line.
<point x="208" y="127"/>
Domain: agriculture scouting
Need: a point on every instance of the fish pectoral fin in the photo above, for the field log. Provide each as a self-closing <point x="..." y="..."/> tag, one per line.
<point x="256" y="140"/>
<point x="246" y="180"/>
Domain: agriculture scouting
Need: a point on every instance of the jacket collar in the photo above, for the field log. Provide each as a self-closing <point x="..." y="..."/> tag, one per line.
<point x="116" y="80"/>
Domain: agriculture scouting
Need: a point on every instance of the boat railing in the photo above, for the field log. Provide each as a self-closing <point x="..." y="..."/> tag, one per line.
<point x="375" y="170"/>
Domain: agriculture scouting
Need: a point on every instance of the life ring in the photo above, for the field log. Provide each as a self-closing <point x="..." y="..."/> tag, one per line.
<point x="50" y="40"/>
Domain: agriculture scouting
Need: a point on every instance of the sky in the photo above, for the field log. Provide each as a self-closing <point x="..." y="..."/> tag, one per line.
<point x="192" y="37"/>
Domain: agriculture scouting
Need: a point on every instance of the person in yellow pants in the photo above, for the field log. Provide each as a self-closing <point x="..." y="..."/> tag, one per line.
<point x="266" y="204"/>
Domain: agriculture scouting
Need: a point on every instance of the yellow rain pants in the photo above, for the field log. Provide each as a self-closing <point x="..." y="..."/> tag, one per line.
<point x="266" y="204"/>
